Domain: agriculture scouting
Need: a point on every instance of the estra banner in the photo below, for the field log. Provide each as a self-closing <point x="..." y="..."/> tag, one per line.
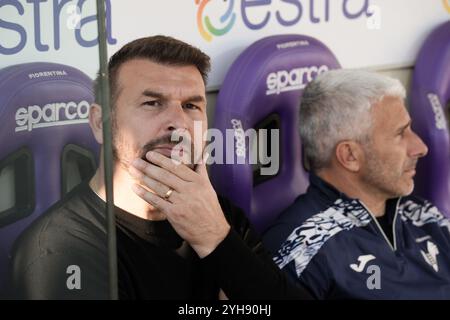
<point x="361" y="33"/>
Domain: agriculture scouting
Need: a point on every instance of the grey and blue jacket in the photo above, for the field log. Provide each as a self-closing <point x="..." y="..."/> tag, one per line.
<point x="335" y="247"/>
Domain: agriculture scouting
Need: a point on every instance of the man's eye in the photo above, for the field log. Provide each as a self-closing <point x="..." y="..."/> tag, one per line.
<point x="152" y="103"/>
<point x="406" y="131"/>
<point x="191" y="106"/>
<point x="402" y="133"/>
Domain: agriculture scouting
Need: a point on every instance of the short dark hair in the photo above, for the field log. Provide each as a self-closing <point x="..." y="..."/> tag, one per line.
<point x="159" y="49"/>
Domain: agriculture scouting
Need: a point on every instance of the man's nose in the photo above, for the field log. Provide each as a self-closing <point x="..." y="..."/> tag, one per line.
<point x="418" y="147"/>
<point x="175" y="118"/>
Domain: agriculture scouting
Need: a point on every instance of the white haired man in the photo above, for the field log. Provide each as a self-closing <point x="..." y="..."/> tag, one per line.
<point x="357" y="232"/>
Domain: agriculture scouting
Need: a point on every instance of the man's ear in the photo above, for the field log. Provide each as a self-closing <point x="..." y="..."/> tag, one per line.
<point x="95" y="121"/>
<point x="349" y="154"/>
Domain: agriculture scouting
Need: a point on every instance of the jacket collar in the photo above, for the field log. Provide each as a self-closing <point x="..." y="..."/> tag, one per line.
<point x="327" y="191"/>
<point x="329" y="194"/>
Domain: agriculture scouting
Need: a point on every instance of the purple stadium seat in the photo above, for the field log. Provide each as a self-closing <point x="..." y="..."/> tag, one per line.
<point x="262" y="90"/>
<point x="46" y="144"/>
<point x="430" y="95"/>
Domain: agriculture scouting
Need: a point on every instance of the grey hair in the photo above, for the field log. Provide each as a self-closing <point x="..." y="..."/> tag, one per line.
<point x="336" y="106"/>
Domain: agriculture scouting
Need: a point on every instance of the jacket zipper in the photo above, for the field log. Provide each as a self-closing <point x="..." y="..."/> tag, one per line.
<point x="393" y="247"/>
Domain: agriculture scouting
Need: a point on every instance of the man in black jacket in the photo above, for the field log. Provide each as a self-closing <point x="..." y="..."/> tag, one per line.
<point x="175" y="238"/>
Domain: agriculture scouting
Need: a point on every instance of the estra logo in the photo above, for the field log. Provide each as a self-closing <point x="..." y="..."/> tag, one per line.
<point x="51" y="115"/>
<point x="295" y="79"/>
<point x="216" y="18"/>
<point x="206" y="27"/>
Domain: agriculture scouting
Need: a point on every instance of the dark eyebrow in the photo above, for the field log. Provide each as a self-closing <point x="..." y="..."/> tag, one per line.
<point x="403" y="128"/>
<point x="197" y="98"/>
<point x="154" y="94"/>
<point x="159" y="95"/>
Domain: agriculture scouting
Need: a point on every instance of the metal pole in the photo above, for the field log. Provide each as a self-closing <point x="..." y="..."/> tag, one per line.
<point x="107" y="150"/>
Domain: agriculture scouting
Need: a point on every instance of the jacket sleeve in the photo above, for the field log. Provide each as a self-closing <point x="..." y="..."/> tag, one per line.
<point x="317" y="276"/>
<point x="57" y="276"/>
<point x="244" y="268"/>
<point x="59" y="265"/>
